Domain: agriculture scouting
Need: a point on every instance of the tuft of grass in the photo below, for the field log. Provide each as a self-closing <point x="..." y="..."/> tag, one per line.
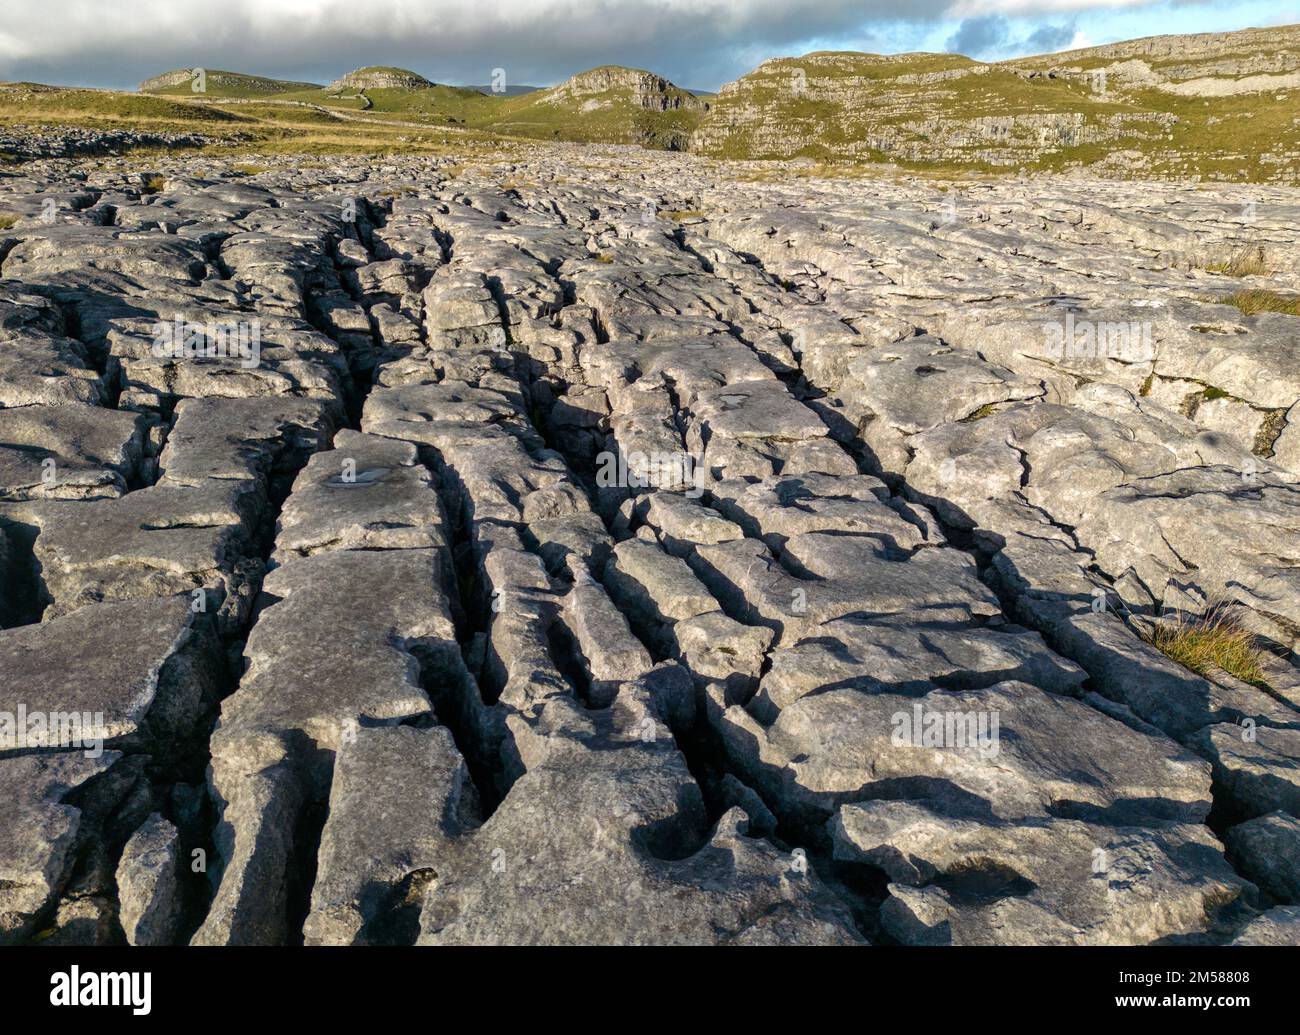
<point x="1212" y="641"/>
<point x="602" y="257"/>
<point x="247" y="169"/>
<point x="7" y="219"/>
<point x="1244" y="262"/>
<point x="153" y="184"/>
<point x="681" y="215"/>
<point x="1261" y="300"/>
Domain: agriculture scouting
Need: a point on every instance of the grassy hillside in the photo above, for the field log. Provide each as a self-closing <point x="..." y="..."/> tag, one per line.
<point x="1183" y="57"/>
<point x="906" y="108"/>
<point x="447" y="104"/>
<point x="604" y="105"/>
<point x="1220" y="106"/>
<point x="238" y="125"/>
<point x="219" y="83"/>
<point x="1167" y="106"/>
<point x="35" y="103"/>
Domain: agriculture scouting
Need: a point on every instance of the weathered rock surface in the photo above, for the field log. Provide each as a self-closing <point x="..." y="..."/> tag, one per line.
<point x="511" y="565"/>
<point x="1267" y="850"/>
<point x="375" y="78"/>
<point x="146" y="689"/>
<point x="45" y="831"/>
<point x="147" y="884"/>
<point x="959" y="881"/>
<point x="1279" y="926"/>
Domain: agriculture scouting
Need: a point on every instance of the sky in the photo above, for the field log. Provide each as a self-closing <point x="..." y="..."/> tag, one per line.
<point x="699" y="44"/>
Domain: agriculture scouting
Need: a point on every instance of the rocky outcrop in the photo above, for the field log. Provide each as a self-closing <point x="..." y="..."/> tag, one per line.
<point x="26" y="143"/>
<point x="612" y="84"/>
<point x="215" y="80"/>
<point x="379" y="78"/>
<point x="165" y="80"/>
<point x="1042" y="113"/>
<point x="635" y="553"/>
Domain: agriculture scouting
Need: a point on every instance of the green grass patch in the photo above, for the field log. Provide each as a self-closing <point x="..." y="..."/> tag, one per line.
<point x="1249" y="261"/>
<point x="105" y="109"/>
<point x="1261" y="300"/>
<point x="1213" y="641"/>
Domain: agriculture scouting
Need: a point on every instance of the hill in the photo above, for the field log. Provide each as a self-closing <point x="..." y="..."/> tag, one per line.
<point x="220" y="83"/>
<point x="1218" y="105"/>
<point x="604" y="105"/>
<point x="610" y="104"/>
<point x="379" y="77"/>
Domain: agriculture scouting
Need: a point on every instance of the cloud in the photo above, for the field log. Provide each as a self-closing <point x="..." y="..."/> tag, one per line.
<point x="1048" y="39"/>
<point x="976" y="37"/>
<point x="993" y="36"/>
<point x="1039" y="8"/>
<point x="697" y="43"/>
<point x="447" y="40"/>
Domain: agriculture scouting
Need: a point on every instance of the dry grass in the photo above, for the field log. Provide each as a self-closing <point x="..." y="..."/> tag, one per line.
<point x="153" y="184"/>
<point x="7" y="219"/>
<point x="678" y="215"/>
<point x="1245" y="262"/>
<point x="1261" y="300"/>
<point x="1209" y="642"/>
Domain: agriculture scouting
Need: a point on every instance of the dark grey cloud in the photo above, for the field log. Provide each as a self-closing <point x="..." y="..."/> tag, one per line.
<point x="1049" y="38"/>
<point x="992" y="36"/>
<point x="976" y="37"/>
